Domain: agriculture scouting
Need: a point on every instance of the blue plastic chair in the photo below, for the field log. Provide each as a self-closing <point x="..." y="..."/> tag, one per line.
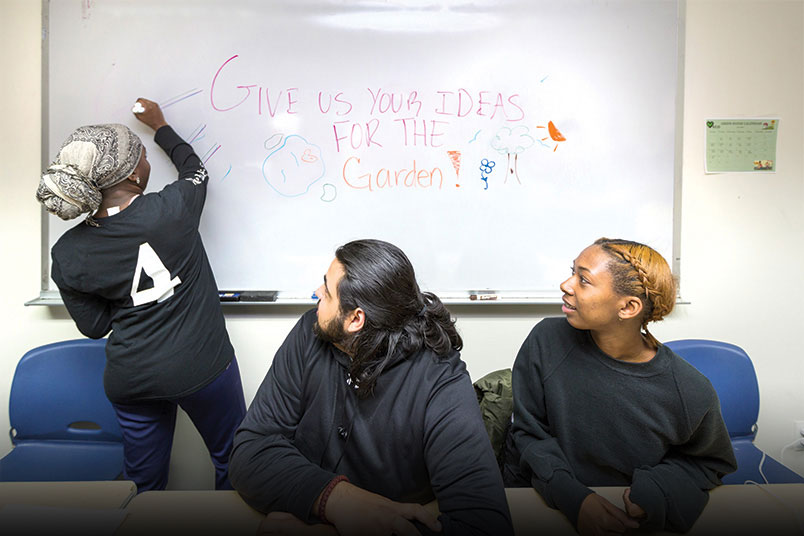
<point x="732" y="374"/>
<point x="62" y="425"/>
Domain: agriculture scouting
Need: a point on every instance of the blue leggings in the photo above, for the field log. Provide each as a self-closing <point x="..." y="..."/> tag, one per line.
<point x="216" y="411"/>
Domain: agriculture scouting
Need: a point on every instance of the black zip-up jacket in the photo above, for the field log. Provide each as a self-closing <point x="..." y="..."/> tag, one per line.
<point x="419" y="437"/>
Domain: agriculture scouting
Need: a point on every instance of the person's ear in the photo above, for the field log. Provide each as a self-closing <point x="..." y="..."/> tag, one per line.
<point x="355" y="320"/>
<point x="630" y="307"/>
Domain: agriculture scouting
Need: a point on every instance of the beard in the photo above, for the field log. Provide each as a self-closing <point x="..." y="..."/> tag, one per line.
<point x="332" y="331"/>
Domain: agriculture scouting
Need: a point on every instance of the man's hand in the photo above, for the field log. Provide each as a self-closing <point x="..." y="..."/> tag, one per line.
<point x="355" y="511"/>
<point x="632" y="509"/>
<point x="598" y="516"/>
<point x="285" y="524"/>
<point x="152" y="115"/>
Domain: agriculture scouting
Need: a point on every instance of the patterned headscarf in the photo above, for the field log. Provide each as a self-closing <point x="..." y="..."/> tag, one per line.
<point x="92" y="159"/>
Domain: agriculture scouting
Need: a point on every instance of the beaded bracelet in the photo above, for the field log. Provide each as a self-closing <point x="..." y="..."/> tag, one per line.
<point x="322" y="503"/>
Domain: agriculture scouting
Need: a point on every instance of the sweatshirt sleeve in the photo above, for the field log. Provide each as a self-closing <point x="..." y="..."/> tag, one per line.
<point x="179" y="151"/>
<point x="463" y="471"/>
<point x="191" y="186"/>
<point x="92" y="314"/>
<point x="265" y="466"/>
<point x="541" y="455"/>
<point x="674" y="492"/>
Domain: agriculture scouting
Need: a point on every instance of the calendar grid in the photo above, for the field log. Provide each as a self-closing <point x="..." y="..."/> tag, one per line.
<point x="741" y="145"/>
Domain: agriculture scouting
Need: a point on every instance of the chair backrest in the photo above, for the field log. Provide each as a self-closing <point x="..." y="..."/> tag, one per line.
<point x="732" y="374"/>
<point x="57" y="393"/>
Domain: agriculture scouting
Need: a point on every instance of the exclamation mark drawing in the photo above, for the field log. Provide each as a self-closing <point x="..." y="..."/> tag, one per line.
<point x="455" y="158"/>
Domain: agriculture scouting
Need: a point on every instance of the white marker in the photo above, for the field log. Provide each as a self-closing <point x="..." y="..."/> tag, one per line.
<point x="138" y="108"/>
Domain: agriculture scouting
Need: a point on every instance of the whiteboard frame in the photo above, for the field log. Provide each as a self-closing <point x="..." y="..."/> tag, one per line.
<point x="49" y="297"/>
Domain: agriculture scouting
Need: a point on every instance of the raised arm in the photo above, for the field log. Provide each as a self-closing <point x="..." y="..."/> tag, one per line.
<point x="191" y="184"/>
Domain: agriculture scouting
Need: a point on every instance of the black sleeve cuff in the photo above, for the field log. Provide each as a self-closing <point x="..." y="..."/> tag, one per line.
<point x="646" y="494"/>
<point x="567" y="494"/>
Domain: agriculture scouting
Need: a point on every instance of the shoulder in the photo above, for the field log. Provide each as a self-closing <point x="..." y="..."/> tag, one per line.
<point x="551" y="340"/>
<point x="444" y="385"/>
<point x="71" y="237"/>
<point x="191" y="181"/>
<point x="301" y="349"/>
<point x="159" y="199"/>
<point x="554" y="329"/>
<point x="192" y="178"/>
<point x="308" y="318"/>
<point x="694" y="388"/>
<point x="69" y="247"/>
<point x="309" y="347"/>
<point x="433" y="372"/>
<point x="450" y="365"/>
<point x="148" y="208"/>
<point x="303" y="330"/>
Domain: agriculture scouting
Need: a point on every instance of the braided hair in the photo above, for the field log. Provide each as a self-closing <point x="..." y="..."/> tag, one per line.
<point x="639" y="270"/>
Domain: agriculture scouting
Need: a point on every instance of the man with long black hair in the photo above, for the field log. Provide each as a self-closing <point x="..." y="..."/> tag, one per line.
<point x="367" y="415"/>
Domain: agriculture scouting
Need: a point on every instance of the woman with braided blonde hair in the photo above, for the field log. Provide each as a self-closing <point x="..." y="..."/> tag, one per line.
<point x="640" y="271"/>
<point x="598" y="401"/>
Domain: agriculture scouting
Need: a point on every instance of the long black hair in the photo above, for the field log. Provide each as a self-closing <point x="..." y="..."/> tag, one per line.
<point x="400" y="319"/>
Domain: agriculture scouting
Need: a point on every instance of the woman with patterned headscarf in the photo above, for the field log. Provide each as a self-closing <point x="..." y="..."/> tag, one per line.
<point x="137" y="267"/>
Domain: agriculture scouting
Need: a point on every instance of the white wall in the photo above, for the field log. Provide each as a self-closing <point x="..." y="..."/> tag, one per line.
<point x="742" y="235"/>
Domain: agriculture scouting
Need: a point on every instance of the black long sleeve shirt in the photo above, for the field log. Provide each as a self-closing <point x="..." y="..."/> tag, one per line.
<point x="583" y="418"/>
<point x="144" y="275"/>
<point x="419" y="437"/>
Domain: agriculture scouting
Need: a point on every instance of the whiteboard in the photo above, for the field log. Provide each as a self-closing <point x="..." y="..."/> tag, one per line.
<point x="491" y="141"/>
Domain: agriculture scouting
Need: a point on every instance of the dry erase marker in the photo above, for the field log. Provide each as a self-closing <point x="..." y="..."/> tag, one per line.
<point x="138" y="108"/>
<point x="483" y="297"/>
